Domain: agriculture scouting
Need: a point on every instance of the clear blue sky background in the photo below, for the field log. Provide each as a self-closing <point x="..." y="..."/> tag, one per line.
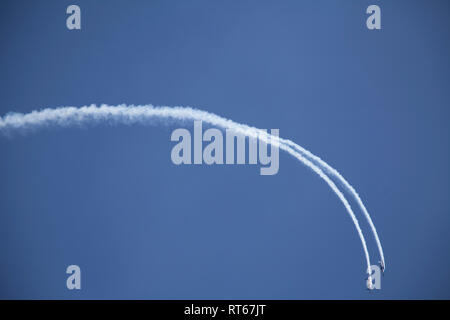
<point x="374" y="104"/>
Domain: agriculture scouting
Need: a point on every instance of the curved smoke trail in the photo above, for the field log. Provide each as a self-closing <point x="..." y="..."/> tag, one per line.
<point x="326" y="167"/>
<point x="65" y="116"/>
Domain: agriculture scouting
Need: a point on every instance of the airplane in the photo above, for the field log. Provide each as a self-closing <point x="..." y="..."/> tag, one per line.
<point x="381" y="266"/>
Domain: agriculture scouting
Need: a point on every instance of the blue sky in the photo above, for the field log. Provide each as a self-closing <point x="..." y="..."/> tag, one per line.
<point x="373" y="104"/>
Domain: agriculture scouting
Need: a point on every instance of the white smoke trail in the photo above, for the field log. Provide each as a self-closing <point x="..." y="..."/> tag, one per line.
<point x="326" y="167"/>
<point x="65" y="116"/>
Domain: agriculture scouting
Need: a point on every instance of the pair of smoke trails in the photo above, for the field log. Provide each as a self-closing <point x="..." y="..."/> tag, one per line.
<point x="66" y="116"/>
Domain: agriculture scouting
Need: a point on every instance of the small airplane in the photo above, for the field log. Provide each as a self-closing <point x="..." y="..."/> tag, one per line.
<point x="381" y="266"/>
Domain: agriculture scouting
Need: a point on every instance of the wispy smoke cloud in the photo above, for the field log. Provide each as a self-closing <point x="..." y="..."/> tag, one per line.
<point x="66" y="116"/>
